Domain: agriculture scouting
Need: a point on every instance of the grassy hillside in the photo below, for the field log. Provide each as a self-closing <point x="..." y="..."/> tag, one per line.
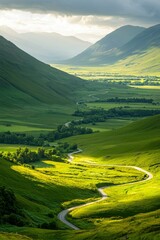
<point x="44" y="191"/>
<point x="131" y="211"/>
<point x="148" y="38"/>
<point x="138" y="136"/>
<point x="134" y="206"/>
<point x="25" y="77"/>
<point x="32" y="92"/>
<point x="142" y="54"/>
<point x="146" y="63"/>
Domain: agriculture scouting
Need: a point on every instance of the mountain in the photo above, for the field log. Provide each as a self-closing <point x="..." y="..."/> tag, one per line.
<point x="141" y="54"/>
<point x="150" y="37"/>
<point x="106" y="46"/>
<point x="47" y="47"/>
<point x="25" y="80"/>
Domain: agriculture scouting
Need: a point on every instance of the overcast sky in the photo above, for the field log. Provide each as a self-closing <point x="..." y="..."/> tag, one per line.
<point x="87" y="19"/>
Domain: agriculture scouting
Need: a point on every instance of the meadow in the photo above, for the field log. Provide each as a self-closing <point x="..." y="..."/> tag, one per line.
<point x="129" y="211"/>
<point x="112" y="73"/>
<point x="52" y="186"/>
<point x="44" y="118"/>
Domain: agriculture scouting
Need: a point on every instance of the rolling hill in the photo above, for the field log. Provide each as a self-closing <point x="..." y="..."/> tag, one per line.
<point x="106" y="45"/>
<point x="24" y="75"/>
<point x="130" y="210"/>
<point x="46" y="47"/>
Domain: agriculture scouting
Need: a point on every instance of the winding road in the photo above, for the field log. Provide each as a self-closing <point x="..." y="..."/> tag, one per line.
<point x="62" y="215"/>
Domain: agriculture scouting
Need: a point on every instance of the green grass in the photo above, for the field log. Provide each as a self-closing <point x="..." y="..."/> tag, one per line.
<point x="45" y="118"/>
<point x="10" y="236"/>
<point x="109" y="124"/>
<point x="35" y="119"/>
<point x="33" y="92"/>
<point x="118" y="72"/>
<point x="18" y="128"/>
<point x="53" y="186"/>
<point x="108" y="106"/>
<point x="27" y="80"/>
<point x="145" y="63"/>
<point x="38" y="97"/>
<point x="137" y="144"/>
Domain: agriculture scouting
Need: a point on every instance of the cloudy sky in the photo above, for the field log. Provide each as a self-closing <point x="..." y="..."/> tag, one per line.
<point x="87" y="19"/>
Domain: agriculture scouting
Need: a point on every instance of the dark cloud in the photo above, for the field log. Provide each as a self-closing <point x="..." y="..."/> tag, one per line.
<point x="144" y="10"/>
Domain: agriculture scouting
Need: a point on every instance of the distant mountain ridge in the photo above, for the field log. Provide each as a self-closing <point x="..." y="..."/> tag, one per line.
<point x="46" y="47"/>
<point x="106" y="46"/>
<point x="140" y="55"/>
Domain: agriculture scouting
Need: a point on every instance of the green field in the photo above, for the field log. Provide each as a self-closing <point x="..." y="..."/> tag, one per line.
<point x="37" y="98"/>
<point x="113" y="73"/>
<point x="44" y="118"/>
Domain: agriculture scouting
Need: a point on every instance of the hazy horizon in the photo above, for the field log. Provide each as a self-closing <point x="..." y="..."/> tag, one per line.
<point x="89" y="21"/>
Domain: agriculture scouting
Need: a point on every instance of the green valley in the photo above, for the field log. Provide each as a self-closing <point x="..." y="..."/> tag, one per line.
<point x="80" y="138"/>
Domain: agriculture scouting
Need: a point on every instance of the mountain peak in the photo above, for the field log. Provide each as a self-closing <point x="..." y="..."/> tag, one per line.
<point x="113" y="40"/>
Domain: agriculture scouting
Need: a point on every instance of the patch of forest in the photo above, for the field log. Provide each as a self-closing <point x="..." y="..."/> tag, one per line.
<point x="101" y="115"/>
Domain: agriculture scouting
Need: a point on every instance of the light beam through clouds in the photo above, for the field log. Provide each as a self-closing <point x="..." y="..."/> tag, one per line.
<point x="90" y="20"/>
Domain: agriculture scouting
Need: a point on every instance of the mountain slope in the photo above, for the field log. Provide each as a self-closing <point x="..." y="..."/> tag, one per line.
<point x="141" y="54"/>
<point x="47" y="47"/>
<point x="149" y="38"/>
<point x="25" y="79"/>
<point x="146" y="62"/>
<point x="106" y="45"/>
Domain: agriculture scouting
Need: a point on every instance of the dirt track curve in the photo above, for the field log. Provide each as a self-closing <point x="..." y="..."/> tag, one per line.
<point x="62" y="215"/>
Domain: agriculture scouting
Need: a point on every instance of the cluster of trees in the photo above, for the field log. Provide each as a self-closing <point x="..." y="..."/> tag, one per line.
<point x="64" y="131"/>
<point x="20" y="138"/>
<point x="126" y="100"/>
<point x="9" y="210"/>
<point x="100" y="115"/>
<point x="26" y="156"/>
<point x="91" y="116"/>
<point x="90" y="112"/>
<point x="123" y="112"/>
<point x="64" y="148"/>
